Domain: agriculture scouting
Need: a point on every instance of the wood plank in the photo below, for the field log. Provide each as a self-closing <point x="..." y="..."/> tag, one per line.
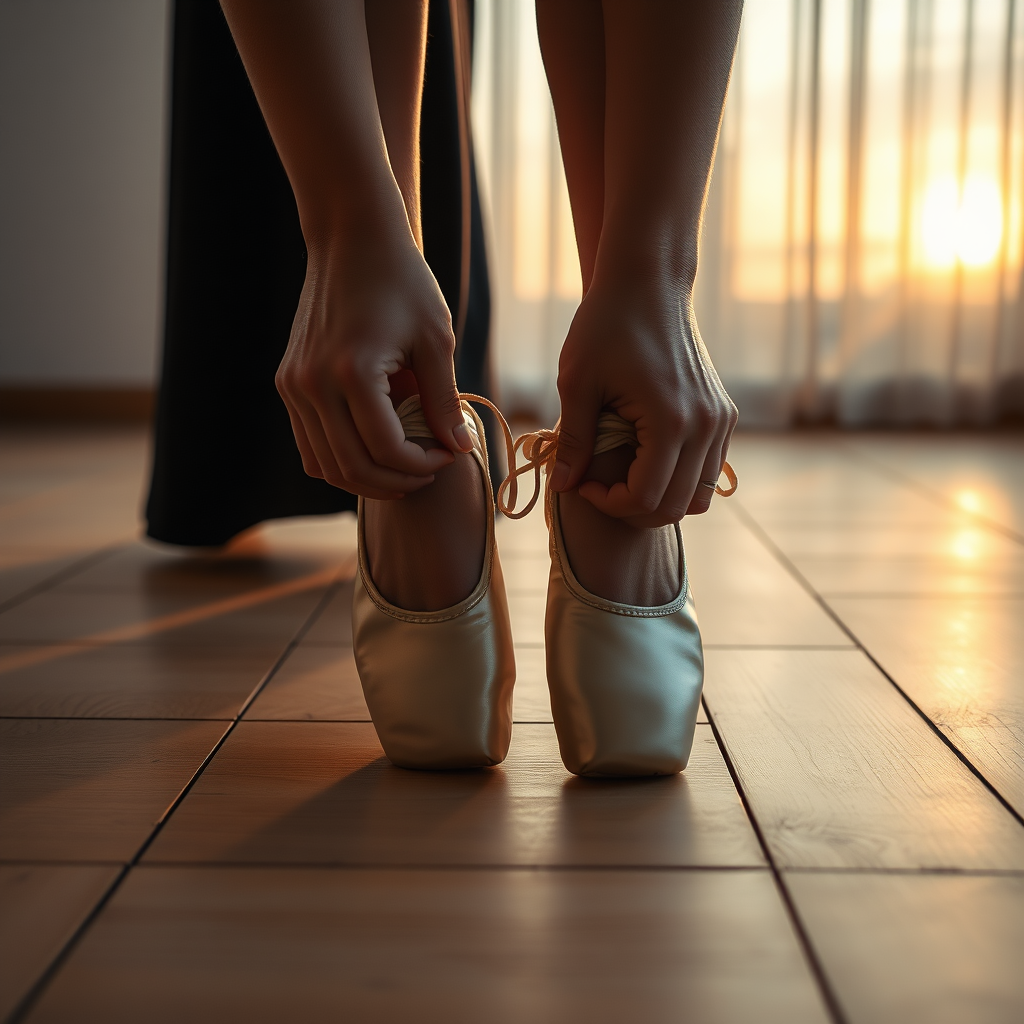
<point x="319" y="683"/>
<point x="961" y="660"/>
<point x="526" y="571"/>
<point x="982" y="473"/>
<point x="131" y="681"/>
<point x="146" y="569"/>
<point x="840" y="772"/>
<point x="41" y="906"/>
<point x="745" y="597"/>
<point x="322" y="793"/>
<point x="526" y="612"/>
<point x="936" y="948"/>
<point x="207" y="944"/>
<point x="848" y="576"/>
<point x="22" y="568"/>
<point x="530" y="699"/>
<point x="334" y="624"/>
<point x="316" y="683"/>
<point x="964" y="541"/>
<point x="263" y="619"/>
<point x="91" y="789"/>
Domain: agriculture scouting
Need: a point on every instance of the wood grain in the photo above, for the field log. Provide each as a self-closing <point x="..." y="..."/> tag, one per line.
<point x="850" y="576"/>
<point x="878" y="541"/>
<point x="208" y="944"/>
<point x="987" y="468"/>
<point x="22" y="569"/>
<point x="133" y="681"/>
<point x="745" y="597"/>
<point x="334" y="624"/>
<point x="40" y="908"/>
<point x="145" y="569"/>
<point x="840" y="772"/>
<point x="934" y="948"/>
<point x="316" y="683"/>
<point x="322" y="793"/>
<point x="91" y="789"/>
<point x="266" y="621"/>
<point x="961" y="659"/>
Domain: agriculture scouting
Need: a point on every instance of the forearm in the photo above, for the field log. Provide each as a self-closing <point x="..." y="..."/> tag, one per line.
<point x="309" y="64"/>
<point x="667" y="65"/>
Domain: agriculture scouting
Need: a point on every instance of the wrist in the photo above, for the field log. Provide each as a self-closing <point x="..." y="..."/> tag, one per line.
<point x="356" y="220"/>
<point x="649" y="250"/>
<point x="645" y="278"/>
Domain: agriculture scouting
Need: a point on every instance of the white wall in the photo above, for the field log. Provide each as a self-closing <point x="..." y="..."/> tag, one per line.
<point x="82" y="167"/>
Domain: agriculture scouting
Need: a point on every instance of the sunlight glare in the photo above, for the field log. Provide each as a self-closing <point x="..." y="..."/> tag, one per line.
<point x="967" y="226"/>
<point x="966" y="545"/>
<point x="969" y="501"/>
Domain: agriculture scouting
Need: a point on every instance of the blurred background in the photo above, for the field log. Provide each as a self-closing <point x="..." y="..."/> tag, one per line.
<point x="862" y="247"/>
<point x="861" y="256"/>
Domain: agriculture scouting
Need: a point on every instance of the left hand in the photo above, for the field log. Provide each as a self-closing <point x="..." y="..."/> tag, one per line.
<point x="635" y="347"/>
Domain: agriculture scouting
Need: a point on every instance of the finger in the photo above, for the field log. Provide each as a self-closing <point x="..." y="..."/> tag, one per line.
<point x="442" y="407"/>
<point x="710" y="471"/>
<point x="309" y="460"/>
<point x="381" y="431"/>
<point x="648" y="479"/>
<point x="680" y="491"/>
<point x="344" y="458"/>
<point x="577" y="429"/>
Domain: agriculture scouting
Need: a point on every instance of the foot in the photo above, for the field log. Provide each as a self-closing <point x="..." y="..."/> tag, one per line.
<point x="609" y="557"/>
<point x="426" y="550"/>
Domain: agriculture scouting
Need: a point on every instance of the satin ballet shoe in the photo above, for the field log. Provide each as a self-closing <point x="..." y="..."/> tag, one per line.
<point x="625" y="681"/>
<point x="438" y="684"/>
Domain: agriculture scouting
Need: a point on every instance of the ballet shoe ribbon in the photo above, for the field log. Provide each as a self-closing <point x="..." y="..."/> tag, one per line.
<point x="538" y="448"/>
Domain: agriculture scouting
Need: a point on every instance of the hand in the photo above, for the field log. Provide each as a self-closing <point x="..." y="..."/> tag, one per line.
<point x="636" y="348"/>
<point x="367" y="312"/>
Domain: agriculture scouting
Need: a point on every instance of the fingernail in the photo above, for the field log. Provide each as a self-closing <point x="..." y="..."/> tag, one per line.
<point x="462" y="438"/>
<point x="560" y="476"/>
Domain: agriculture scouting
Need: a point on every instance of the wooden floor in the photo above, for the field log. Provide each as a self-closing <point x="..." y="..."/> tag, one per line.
<point x="198" y="824"/>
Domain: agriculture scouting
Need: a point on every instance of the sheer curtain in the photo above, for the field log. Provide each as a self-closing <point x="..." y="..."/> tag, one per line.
<point x="862" y="249"/>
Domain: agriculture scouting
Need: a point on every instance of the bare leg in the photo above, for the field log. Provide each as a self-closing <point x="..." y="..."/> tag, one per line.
<point x="426" y="550"/>
<point x="609" y="557"/>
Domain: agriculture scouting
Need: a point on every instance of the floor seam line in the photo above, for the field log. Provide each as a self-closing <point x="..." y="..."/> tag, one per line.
<point x="55" y="579"/>
<point x="935" y="496"/>
<point x="816" y="967"/>
<point x="29" y="1000"/>
<point x="762" y="535"/>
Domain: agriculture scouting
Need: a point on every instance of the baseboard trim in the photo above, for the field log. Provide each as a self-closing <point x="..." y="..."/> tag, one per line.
<point x="76" y="405"/>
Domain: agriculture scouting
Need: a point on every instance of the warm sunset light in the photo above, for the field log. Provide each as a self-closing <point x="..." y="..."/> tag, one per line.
<point x="965" y="225"/>
<point x="969" y="501"/>
<point x="966" y="544"/>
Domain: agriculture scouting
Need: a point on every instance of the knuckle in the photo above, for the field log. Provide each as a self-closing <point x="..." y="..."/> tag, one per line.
<point x="676" y="421"/>
<point x="569" y="442"/>
<point x="648" y="503"/>
<point x="451" y="404"/>
<point x="349" y="372"/>
<point x="306" y="381"/>
<point x="705" y="417"/>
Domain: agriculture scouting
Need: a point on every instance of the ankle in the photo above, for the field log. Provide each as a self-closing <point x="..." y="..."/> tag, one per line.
<point x="426" y="550"/>
<point x="612" y="559"/>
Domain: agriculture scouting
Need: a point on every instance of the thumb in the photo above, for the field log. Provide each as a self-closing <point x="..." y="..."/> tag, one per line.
<point x="434" y="370"/>
<point x="576" y="433"/>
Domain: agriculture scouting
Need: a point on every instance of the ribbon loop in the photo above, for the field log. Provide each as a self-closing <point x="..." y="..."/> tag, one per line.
<point x="538" y="447"/>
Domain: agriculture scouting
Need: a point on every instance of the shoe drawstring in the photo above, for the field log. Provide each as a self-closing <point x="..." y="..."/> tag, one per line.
<point x="538" y="447"/>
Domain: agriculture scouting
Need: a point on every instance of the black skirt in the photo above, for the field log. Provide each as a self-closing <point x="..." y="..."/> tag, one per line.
<point x="224" y="456"/>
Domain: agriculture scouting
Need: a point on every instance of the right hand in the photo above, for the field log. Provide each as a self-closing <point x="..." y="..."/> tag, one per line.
<point x="367" y="312"/>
